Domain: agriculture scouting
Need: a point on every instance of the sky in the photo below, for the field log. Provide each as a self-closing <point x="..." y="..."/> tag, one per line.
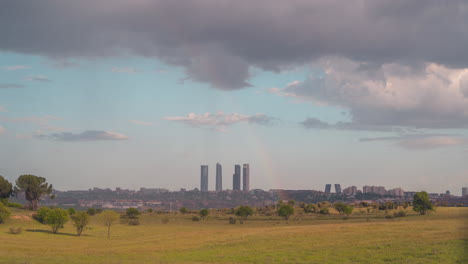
<point x="130" y="94"/>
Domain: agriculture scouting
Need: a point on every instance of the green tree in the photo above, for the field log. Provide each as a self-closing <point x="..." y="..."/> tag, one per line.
<point x="4" y="213"/>
<point x="56" y="218"/>
<point x="244" y="211"/>
<point x="132" y="213"/>
<point x="421" y="203"/>
<point x="203" y="213"/>
<point x="108" y="218"/>
<point x="310" y="208"/>
<point x="71" y="211"/>
<point x="41" y="214"/>
<point x="80" y="221"/>
<point x="183" y="210"/>
<point x="348" y="210"/>
<point x="34" y="187"/>
<point x="91" y="211"/>
<point x="285" y="210"/>
<point x="340" y="207"/>
<point x="6" y="189"/>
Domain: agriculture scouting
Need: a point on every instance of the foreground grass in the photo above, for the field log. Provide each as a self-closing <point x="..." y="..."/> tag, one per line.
<point x="437" y="238"/>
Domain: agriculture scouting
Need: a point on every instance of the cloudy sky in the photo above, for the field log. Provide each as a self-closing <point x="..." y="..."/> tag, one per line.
<point x="114" y="93"/>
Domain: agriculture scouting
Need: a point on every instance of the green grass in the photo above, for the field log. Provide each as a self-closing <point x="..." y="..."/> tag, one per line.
<point x="440" y="237"/>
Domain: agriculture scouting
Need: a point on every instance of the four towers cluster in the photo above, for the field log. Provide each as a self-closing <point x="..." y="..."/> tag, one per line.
<point x="236" y="178"/>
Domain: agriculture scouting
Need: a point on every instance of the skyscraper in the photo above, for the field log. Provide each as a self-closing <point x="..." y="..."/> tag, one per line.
<point x="246" y="178"/>
<point x="338" y="188"/>
<point x="219" y="177"/>
<point x="327" y="188"/>
<point x="236" y="178"/>
<point x="464" y="191"/>
<point x="204" y="178"/>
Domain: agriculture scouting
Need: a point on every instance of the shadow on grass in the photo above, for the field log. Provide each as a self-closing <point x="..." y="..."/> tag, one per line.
<point x="50" y="232"/>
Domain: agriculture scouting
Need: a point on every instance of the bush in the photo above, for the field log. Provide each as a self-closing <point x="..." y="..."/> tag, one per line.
<point x="4" y="213"/>
<point x="165" y="220"/>
<point x="56" y="218"/>
<point x="204" y="213"/>
<point x="132" y="213"/>
<point x="15" y="205"/>
<point x="324" y="210"/>
<point x="41" y="214"/>
<point x="91" y="211"/>
<point x="399" y="214"/>
<point x="149" y="210"/>
<point x="195" y="218"/>
<point x="71" y="211"/>
<point x="232" y="220"/>
<point x="16" y="230"/>
<point x="133" y="222"/>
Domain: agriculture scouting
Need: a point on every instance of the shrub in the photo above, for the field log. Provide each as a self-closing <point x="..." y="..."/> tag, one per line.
<point x="399" y="214"/>
<point x="324" y="211"/>
<point x="15" y="205"/>
<point x="285" y="210"/>
<point x="91" y="211"/>
<point x="133" y="222"/>
<point x="149" y="210"/>
<point x="71" y="211"/>
<point x="98" y="211"/>
<point x="41" y="214"/>
<point x="132" y="213"/>
<point x="244" y="211"/>
<point x="232" y="220"/>
<point x="183" y="210"/>
<point x="56" y="218"/>
<point x="165" y="220"/>
<point x="204" y="213"/>
<point x="195" y="218"/>
<point x="4" y="213"/>
<point x="16" y="230"/>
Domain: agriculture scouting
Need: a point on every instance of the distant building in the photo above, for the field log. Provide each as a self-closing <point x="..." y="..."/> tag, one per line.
<point x="204" y="178"/>
<point x="464" y="191"/>
<point x="350" y="190"/>
<point x="327" y="188"/>
<point x="338" y="188"/>
<point x="447" y="192"/>
<point x="150" y="191"/>
<point x="236" y="178"/>
<point x="246" y="178"/>
<point x="219" y="177"/>
<point x="397" y="192"/>
<point x="374" y="189"/>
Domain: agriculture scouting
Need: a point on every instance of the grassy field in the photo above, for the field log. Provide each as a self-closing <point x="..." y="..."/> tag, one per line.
<point x="441" y="237"/>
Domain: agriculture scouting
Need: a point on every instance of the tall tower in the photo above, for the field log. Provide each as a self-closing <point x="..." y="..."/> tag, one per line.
<point x="204" y="178"/>
<point x="327" y="188"/>
<point x="236" y="178"/>
<point x="219" y="177"/>
<point x="464" y="191"/>
<point x="246" y="178"/>
<point x="338" y="188"/>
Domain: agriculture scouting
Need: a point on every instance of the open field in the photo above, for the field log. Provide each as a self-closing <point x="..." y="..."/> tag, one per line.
<point x="441" y="237"/>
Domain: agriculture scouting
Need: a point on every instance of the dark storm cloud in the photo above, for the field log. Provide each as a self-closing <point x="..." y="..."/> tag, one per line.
<point x="219" y="41"/>
<point x="88" y="135"/>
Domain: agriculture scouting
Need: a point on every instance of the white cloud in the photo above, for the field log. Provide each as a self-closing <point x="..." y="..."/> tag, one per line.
<point x="389" y="94"/>
<point x="142" y="123"/>
<point x="124" y="69"/>
<point x="220" y="121"/>
<point x="37" y="78"/>
<point x="15" y="67"/>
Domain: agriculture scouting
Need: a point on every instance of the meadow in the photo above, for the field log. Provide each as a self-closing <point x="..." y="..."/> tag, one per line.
<point x="440" y="237"/>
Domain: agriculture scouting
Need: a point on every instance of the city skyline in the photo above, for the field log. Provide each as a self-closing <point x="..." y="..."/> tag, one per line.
<point x="134" y="95"/>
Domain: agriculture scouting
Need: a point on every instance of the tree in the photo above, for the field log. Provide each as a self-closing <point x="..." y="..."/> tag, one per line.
<point x="348" y="210"/>
<point x="421" y="203"/>
<point x="80" y="221"/>
<point x="5" y="188"/>
<point x="183" y="210"/>
<point x="310" y="208"/>
<point x="41" y="214"/>
<point x="91" y="211"/>
<point x="4" y="213"/>
<point x="108" y="218"/>
<point x="340" y="207"/>
<point x="33" y="187"/>
<point x="71" y="211"/>
<point x="285" y="210"/>
<point x="204" y="213"/>
<point x="56" y="218"/>
<point x="244" y="211"/>
<point x="132" y="213"/>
